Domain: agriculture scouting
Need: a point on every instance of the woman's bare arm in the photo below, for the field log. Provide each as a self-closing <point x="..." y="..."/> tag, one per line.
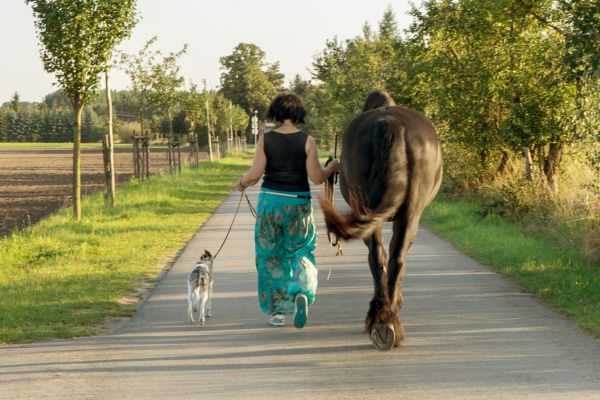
<point x="257" y="169"/>
<point x="317" y="174"/>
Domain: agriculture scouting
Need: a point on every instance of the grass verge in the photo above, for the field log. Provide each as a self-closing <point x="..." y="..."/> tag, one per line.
<point x="550" y="270"/>
<point x="62" y="278"/>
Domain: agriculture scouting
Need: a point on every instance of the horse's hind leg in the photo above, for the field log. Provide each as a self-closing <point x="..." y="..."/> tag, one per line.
<point x="379" y="322"/>
<point x="405" y="230"/>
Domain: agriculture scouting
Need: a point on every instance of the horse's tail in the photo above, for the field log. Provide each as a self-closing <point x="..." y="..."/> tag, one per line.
<point x="347" y="226"/>
<point x="367" y="211"/>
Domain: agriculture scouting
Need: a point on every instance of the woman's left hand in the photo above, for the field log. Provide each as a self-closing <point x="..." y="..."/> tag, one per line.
<point x="239" y="186"/>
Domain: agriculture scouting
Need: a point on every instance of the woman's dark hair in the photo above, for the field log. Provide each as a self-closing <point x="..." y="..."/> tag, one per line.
<point x="378" y="98"/>
<point x="287" y="106"/>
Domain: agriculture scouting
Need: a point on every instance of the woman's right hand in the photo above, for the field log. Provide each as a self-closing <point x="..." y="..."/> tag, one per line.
<point x="334" y="165"/>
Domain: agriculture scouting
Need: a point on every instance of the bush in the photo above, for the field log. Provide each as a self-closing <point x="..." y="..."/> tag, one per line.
<point x="123" y="131"/>
<point x="571" y="213"/>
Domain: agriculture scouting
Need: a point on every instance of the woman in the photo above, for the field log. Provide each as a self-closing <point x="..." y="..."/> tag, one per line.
<point x="285" y="234"/>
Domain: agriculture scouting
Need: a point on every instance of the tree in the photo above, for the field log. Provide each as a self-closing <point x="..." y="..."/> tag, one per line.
<point x="346" y="71"/>
<point x="165" y="82"/>
<point x="388" y="27"/>
<point x="108" y="150"/>
<point x="56" y="100"/>
<point x="247" y="80"/>
<point x="139" y="70"/>
<point x="15" y="102"/>
<point x="299" y="86"/>
<point x="239" y="122"/>
<point x="498" y="77"/>
<point x="193" y="104"/>
<point x="77" y="40"/>
<point x="222" y="119"/>
<point x="581" y="57"/>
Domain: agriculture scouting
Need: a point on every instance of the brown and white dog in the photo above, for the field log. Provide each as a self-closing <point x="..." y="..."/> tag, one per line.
<point x="200" y="283"/>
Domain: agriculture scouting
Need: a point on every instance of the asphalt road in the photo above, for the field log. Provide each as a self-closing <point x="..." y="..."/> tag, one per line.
<point x="470" y="334"/>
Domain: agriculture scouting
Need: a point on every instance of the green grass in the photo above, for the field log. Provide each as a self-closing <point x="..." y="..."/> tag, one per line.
<point x="63" y="278"/>
<point x="551" y="271"/>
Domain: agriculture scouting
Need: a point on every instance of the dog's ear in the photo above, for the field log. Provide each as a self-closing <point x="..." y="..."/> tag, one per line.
<point x="207" y="253"/>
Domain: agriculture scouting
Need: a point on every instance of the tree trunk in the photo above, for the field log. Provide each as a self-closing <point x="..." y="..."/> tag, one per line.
<point x="134" y="152"/>
<point x="146" y="154"/>
<point x="192" y="141"/>
<point x="230" y="130"/>
<point x="229" y="141"/>
<point x="108" y="152"/>
<point x="217" y="148"/>
<point x="503" y="162"/>
<point x="142" y="123"/>
<point x="210" y="152"/>
<point x="174" y="159"/>
<point x="539" y="157"/>
<point x="528" y="163"/>
<point x="551" y="164"/>
<point x="78" y="108"/>
<point x="483" y="160"/>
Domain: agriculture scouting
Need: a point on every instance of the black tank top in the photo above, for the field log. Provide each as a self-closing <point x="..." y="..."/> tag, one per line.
<point x="286" y="162"/>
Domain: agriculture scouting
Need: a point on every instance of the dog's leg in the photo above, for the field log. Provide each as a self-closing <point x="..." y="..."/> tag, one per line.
<point x="190" y="310"/>
<point x="190" y="314"/>
<point x="201" y="310"/>
<point x="209" y="301"/>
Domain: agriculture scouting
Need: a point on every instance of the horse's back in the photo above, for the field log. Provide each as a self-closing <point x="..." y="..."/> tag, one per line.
<point x="415" y="124"/>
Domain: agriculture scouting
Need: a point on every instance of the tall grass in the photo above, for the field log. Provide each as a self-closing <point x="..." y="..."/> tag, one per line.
<point x="62" y="278"/>
<point x="569" y="212"/>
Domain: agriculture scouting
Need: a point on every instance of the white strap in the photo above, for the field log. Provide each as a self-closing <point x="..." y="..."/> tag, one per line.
<point x="280" y="194"/>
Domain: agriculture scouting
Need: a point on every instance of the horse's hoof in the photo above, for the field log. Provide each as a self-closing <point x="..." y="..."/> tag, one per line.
<point x="383" y="336"/>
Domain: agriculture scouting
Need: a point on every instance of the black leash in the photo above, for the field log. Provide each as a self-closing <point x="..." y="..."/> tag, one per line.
<point x="252" y="211"/>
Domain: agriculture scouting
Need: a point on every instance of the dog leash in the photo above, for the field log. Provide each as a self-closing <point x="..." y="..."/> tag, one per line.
<point x="252" y="211"/>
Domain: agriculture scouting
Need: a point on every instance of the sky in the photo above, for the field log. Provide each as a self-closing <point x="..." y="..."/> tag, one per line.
<point x="291" y="32"/>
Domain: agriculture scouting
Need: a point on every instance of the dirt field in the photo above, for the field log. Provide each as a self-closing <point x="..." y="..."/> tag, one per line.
<point x="37" y="182"/>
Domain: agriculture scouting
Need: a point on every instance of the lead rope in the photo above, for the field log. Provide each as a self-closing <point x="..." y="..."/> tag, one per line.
<point x="252" y="211"/>
<point x="334" y="180"/>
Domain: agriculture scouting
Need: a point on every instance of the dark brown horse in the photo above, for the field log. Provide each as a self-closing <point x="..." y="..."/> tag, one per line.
<point x="391" y="169"/>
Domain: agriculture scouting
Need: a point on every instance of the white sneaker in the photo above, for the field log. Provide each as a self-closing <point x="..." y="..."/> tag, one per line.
<point x="277" y="320"/>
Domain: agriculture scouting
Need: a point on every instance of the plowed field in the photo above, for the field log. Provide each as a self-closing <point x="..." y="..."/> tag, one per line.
<point x="36" y="182"/>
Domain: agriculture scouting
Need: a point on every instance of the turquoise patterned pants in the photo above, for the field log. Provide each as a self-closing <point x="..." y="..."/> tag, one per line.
<point x="285" y="238"/>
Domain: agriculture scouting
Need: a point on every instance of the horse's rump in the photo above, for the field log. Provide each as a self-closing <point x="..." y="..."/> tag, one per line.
<point x="377" y="158"/>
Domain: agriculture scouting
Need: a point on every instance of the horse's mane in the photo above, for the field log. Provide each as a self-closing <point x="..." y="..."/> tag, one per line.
<point x="376" y="99"/>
